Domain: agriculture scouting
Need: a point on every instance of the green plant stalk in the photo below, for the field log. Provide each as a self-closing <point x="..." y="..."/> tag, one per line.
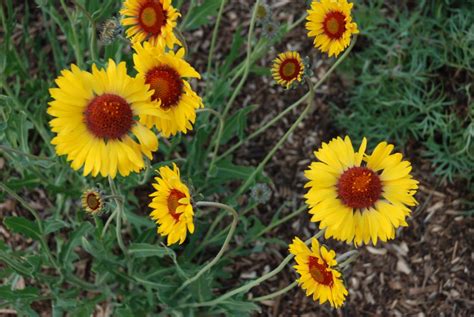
<point x="93" y="40"/>
<point x="214" y="37"/>
<point x="275" y="294"/>
<point x="118" y="216"/>
<point x="33" y="212"/>
<point x="224" y="247"/>
<point x="242" y="80"/>
<point x="349" y="257"/>
<point x="291" y="107"/>
<point x="182" y="39"/>
<point x="281" y="221"/>
<point x="34" y="157"/>
<point x="107" y="223"/>
<point x="250" y="179"/>
<point x="252" y="284"/>
<point x="184" y="21"/>
<point x="76" y="47"/>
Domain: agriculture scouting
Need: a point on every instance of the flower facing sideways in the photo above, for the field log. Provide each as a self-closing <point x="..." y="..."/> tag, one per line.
<point x="171" y="204"/>
<point x="317" y="274"/>
<point x="359" y="197"/>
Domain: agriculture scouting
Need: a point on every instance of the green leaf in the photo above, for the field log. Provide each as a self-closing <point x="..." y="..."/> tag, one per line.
<point x="20" y="265"/>
<point x="236" y="124"/>
<point x="53" y="225"/>
<point x="74" y="240"/>
<point x="240" y="308"/>
<point x="199" y="15"/>
<point x="143" y="250"/>
<point x="27" y="293"/>
<point x="23" y="226"/>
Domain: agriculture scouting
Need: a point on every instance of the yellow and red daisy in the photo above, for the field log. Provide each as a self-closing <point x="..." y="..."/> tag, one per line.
<point x="287" y="68"/>
<point x="96" y="120"/>
<point x="359" y="197"/>
<point x="92" y="201"/>
<point x="171" y="204"/>
<point x="150" y="20"/>
<point x="318" y="277"/>
<point x="330" y="22"/>
<point x="173" y="96"/>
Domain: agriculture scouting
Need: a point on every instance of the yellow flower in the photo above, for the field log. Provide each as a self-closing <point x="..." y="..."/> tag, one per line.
<point x="95" y="120"/>
<point x="359" y="197"/>
<point x="92" y="201"/>
<point x="172" y="94"/>
<point x="330" y="22"/>
<point x="150" y="20"/>
<point x="317" y="275"/>
<point x="287" y="68"/>
<point x="171" y="204"/>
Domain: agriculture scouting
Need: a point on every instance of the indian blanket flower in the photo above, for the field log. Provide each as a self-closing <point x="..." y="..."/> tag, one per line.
<point x="359" y="197"/>
<point x="171" y="204"/>
<point x="318" y="277"/>
<point x="173" y="96"/>
<point x="96" y="120"/>
<point x="330" y="22"/>
<point x="287" y="68"/>
<point x="92" y="201"/>
<point x="150" y="20"/>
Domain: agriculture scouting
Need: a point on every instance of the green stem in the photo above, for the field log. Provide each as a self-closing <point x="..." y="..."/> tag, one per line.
<point x="291" y="107"/>
<point x="349" y="257"/>
<point x="224" y="247"/>
<point x="184" y="21"/>
<point x="182" y="39"/>
<point x="34" y="157"/>
<point x="242" y="80"/>
<point x="76" y="47"/>
<point x="93" y="40"/>
<point x="107" y="223"/>
<point x="253" y="283"/>
<point x="216" y="146"/>
<point x="118" y="216"/>
<point x="275" y="294"/>
<point x="250" y="179"/>
<point x="214" y="37"/>
<point x="282" y="220"/>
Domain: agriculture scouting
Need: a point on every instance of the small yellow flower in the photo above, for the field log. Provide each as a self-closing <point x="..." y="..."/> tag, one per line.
<point x="150" y="20"/>
<point x="330" y="22"/>
<point x="173" y="96"/>
<point x="95" y="120"/>
<point x="92" y="201"/>
<point x="359" y="197"/>
<point x="317" y="274"/>
<point x="287" y="68"/>
<point x="171" y="204"/>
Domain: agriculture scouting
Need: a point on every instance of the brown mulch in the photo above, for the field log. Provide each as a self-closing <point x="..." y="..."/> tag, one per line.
<point x="425" y="271"/>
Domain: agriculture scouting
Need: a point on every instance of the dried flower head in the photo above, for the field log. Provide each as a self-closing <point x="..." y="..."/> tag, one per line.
<point x="92" y="201"/>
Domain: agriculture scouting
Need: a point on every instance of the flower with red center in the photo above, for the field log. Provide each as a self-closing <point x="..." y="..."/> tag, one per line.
<point x="330" y="22"/>
<point x="287" y="68"/>
<point x="92" y="201"/>
<point x="165" y="72"/>
<point x="96" y="119"/>
<point x="171" y="204"/>
<point x="318" y="277"/>
<point x="150" y="20"/>
<point x="359" y="198"/>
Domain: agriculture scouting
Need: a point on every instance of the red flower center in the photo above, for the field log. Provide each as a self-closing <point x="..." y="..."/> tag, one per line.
<point x="109" y="116"/>
<point x="319" y="271"/>
<point x="152" y="17"/>
<point x="334" y="25"/>
<point x="167" y="84"/>
<point x="289" y="69"/>
<point x="93" y="201"/>
<point x="359" y="187"/>
<point x="173" y="203"/>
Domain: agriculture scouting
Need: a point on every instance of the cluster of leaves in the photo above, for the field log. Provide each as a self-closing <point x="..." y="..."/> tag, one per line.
<point x="413" y="80"/>
<point x="67" y="261"/>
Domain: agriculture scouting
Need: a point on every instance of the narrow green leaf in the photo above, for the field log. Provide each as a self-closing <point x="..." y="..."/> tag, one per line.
<point x="23" y="226"/>
<point x="142" y="250"/>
